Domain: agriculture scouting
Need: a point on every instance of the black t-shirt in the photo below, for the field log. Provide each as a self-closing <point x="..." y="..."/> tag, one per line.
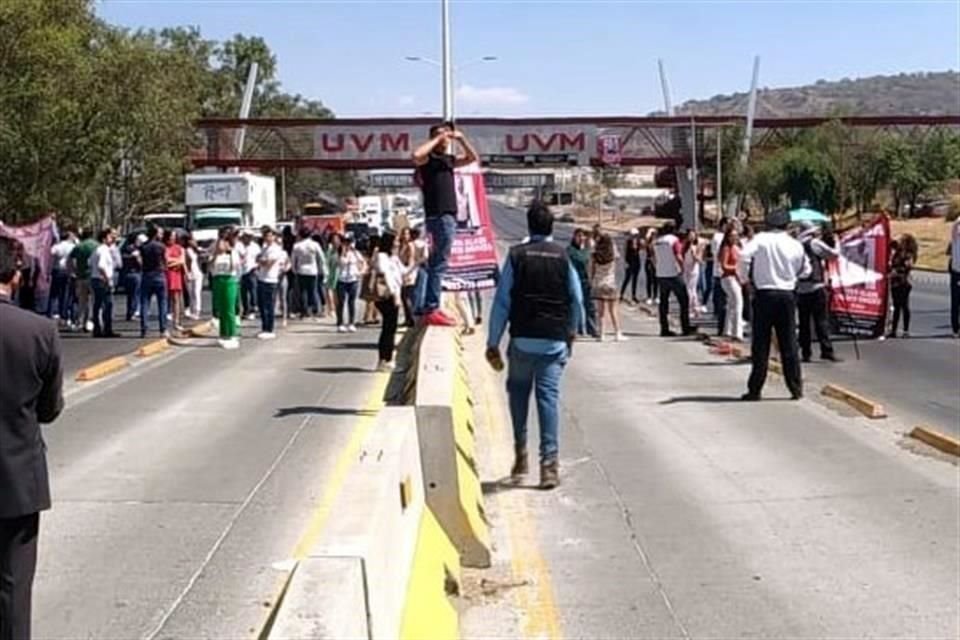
<point x="438" y="186"/>
<point x="153" y="255"/>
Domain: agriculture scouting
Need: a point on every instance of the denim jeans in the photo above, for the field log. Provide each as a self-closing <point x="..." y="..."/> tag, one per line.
<point x="131" y="284"/>
<point x="540" y="373"/>
<point x="347" y="297"/>
<point x="265" y="304"/>
<point x="59" y="301"/>
<point x="248" y="292"/>
<point x="102" y="307"/>
<point x="307" y="288"/>
<point x="720" y="307"/>
<point x="420" y="290"/>
<point x="441" y="229"/>
<point x="153" y="284"/>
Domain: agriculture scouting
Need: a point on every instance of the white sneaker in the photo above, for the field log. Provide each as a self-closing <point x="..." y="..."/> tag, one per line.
<point x="601" y="338"/>
<point x="251" y="316"/>
<point x="341" y="328"/>
<point x="89" y="326"/>
<point x="284" y="323"/>
<point x="136" y="315"/>
<point x="352" y="328"/>
<point x="385" y="366"/>
<point x="621" y="338"/>
<point x="56" y="316"/>
<point x="266" y="335"/>
<point x="230" y="343"/>
<point x="649" y="301"/>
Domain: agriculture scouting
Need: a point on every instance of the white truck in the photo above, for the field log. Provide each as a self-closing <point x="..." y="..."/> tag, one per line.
<point x="370" y="211"/>
<point x="215" y="200"/>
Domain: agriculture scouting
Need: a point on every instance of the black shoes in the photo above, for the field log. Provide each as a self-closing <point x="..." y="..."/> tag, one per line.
<point x="796" y="394"/>
<point x="831" y="358"/>
<point x="521" y="464"/>
<point x="806" y="359"/>
<point x="549" y="475"/>
<point x="667" y="334"/>
<point x="690" y="331"/>
<point x="750" y="397"/>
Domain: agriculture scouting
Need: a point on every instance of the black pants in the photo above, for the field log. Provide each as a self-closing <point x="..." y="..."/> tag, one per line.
<point x="650" y="271"/>
<point x="248" y="292"/>
<point x="18" y="563"/>
<point x="774" y="310"/>
<point x="901" y="304"/>
<point x="955" y="301"/>
<point x="676" y="286"/>
<point x="630" y="277"/>
<point x="307" y="301"/>
<point x="719" y="306"/>
<point x="390" y="312"/>
<point x="407" y="295"/>
<point x="813" y="307"/>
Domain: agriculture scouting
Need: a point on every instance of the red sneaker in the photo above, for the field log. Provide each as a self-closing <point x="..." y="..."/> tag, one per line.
<point x="438" y="318"/>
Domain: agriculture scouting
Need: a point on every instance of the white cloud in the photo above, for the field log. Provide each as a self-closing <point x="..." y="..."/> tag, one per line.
<point x="491" y="96"/>
<point x="406" y="101"/>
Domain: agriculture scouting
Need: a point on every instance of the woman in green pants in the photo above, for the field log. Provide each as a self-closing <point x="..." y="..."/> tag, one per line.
<point x="225" y="277"/>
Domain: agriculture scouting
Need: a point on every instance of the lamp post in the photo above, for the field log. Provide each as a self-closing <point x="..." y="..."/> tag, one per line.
<point x="448" y="106"/>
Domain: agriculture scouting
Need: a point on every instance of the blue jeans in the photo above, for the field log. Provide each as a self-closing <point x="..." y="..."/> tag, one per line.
<point x="265" y="304"/>
<point x="719" y="306"/>
<point x="532" y="371"/>
<point x="706" y="282"/>
<point x="131" y="284"/>
<point x="153" y="284"/>
<point x="441" y="229"/>
<point x="346" y="297"/>
<point x="59" y="299"/>
<point x="102" y="307"/>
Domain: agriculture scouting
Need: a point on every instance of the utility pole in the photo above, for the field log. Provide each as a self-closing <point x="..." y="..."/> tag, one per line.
<point x="446" y="62"/>
<point x="693" y="173"/>
<point x="245" y="108"/>
<point x="718" y="188"/>
<point x="748" y="134"/>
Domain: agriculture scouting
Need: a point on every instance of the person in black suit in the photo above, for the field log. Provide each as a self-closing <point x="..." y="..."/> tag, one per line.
<point x="30" y="395"/>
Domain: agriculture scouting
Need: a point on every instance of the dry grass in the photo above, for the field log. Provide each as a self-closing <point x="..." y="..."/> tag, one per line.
<point x="932" y="234"/>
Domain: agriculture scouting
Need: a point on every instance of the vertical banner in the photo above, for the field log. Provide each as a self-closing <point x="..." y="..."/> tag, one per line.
<point x="473" y="258"/>
<point x="858" y="280"/>
<point x="37" y="240"/>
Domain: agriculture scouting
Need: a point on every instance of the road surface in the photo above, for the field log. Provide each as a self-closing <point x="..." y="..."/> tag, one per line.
<point x="917" y="378"/>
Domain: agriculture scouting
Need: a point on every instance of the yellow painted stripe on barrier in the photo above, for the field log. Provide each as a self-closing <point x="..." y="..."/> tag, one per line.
<point x="153" y="348"/>
<point x="428" y="611"/>
<point x="936" y="439"/>
<point x="102" y="369"/>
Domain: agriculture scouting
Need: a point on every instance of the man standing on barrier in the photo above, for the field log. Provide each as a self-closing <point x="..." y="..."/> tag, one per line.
<point x="539" y="295"/>
<point x="773" y="261"/>
<point x="30" y="395"/>
<point x="435" y="161"/>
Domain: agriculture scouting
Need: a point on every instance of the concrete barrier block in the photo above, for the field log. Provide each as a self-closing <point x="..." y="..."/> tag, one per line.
<point x="325" y="600"/>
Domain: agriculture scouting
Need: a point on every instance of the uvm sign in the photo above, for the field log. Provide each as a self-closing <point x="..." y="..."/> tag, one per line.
<point x="515" y="144"/>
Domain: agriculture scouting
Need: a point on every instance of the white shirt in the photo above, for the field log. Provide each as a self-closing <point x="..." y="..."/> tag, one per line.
<point x="251" y="256"/>
<point x="227" y="264"/>
<point x="665" y="249"/>
<point x="193" y="259"/>
<point x="715" y="243"/>
<point x="392" y="270"/>
<point x="101" y="261"/>
<point x="275" y="255"/>
<point x="61" y="254"/>
<point x="773" y="260"/>
<point x="351" y="264"/>
<point x="955" y="247"/>
<point x="307" y="256"/>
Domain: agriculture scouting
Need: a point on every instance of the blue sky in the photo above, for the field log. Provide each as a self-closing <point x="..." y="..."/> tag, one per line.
<point x="564" y="57"/>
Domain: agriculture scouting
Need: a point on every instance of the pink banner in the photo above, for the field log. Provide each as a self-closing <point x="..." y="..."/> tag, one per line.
<point x="37" y="240"/>
<point x="473" y="257"/>
<point x="858" y="280"/>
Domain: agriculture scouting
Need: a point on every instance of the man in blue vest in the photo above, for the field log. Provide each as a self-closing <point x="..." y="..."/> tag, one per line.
<point x="539" y="296"/>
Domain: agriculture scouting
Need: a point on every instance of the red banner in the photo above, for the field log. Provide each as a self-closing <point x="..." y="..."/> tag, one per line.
<point x="37" y="239"/>
<point x="473" y="258"/>
<point x="858" y="280"/>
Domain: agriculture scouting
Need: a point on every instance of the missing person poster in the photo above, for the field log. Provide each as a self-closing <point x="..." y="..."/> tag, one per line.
<point x="858" y="280"/>
<point x="37" y="239"/>
<point x="473" y="258"/>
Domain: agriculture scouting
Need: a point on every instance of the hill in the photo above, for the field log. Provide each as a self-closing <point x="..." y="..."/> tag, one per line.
<point x="935" y="93"/>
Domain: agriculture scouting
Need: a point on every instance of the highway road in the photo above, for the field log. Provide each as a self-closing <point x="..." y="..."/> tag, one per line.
<point x="685" y="513"/>
<point x="916" y="378"/>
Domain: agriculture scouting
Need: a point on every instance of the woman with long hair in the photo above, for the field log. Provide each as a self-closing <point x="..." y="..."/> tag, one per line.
<point x="406" y="254"/>
<point x="650" y="266"/>
<point x="350" y="269"/>
<point x="727" y="261"/>
<point x="579" y="254"/>
<point x="332" y="253"/>
<point x="176" y="268"/>
<point x="388" y="284"/>
<point x="226" y="268"/>
<point x="603" y="284"/>
<point x="905" y="252"/>
<point x="692" y="257"/>
<point x="194" y="274"/>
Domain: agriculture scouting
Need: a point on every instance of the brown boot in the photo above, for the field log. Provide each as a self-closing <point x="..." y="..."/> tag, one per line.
<point x="521" y="465"/>
<point x="549" y="474"/>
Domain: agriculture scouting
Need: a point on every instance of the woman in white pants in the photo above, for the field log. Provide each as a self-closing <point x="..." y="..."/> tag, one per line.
<point x="692" y="257"/>
<point x="730" y="281"/>
<point x="194" y="278"/>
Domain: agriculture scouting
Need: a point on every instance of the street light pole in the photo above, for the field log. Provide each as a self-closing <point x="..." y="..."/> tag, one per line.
<point x="446" y="62"/>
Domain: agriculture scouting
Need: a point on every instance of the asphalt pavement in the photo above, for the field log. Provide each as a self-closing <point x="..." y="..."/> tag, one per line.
<point x="181" y="488"/>
<point x="917" y="378"/>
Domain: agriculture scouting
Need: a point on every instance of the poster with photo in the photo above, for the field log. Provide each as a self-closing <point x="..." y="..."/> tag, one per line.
<point x="473" y="258"/>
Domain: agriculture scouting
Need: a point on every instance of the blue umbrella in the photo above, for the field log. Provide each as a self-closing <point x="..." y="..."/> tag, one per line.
<point x="804" y="214"/>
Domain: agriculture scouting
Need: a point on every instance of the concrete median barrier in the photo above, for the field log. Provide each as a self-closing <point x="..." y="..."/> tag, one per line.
<point x="382" y="535"/>
<point x="102" y="369"/>
<point x="936" y="439"/>
<point x="153" y="348"/>
<point x="445" y="423"/>
<point x="866" y="406"/>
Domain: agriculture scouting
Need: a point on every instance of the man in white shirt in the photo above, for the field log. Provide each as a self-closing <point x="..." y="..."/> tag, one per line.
<point x="102" y="270"/>
<point x="719" y="295"/>
<point x="773" y="262"/>
<point x="953" y="250"/>
<point x="59" y="303"/>
<point x="308" y="266"/>
<point x="668" y="251"/>
<point x="250" y="252"/>
<point x="270" y="260"/>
